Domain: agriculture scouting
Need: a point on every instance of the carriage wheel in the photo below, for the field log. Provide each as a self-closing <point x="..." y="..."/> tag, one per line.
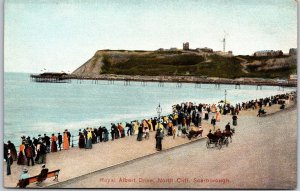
<point x="219" y="144"/>
<point x="207" y="144"/>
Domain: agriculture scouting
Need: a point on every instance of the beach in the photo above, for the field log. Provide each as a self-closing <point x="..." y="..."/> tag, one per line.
<point x="262" y="155"/>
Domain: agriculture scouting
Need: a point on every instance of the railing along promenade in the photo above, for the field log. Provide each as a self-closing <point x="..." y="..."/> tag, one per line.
<point x="167" y="79"/>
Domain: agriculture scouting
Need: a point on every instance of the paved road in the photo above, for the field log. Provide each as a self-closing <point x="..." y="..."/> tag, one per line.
<point x="262" y="155"/>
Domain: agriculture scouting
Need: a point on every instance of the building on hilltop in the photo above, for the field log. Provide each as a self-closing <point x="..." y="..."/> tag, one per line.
<point x="268" y="53"/>
<point x="186" y="46"/>
<point x="293" y="51"/>
<point x="205" y="49"/>
<point x="221" y="53"/>
<point x="173" y="49"/>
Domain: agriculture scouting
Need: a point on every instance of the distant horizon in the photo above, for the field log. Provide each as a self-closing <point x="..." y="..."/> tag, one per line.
<point x="62" y="35"/>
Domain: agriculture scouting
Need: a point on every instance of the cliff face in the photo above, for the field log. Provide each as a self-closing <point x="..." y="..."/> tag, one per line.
<point x="90" y="68"/>
<point x="103" y="60"/>
<point x="185" y="63"/>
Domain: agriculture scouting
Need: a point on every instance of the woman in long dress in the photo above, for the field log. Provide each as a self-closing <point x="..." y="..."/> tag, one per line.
<point x="150" y="125"/>
<point x="121" y="130"/>
<point x="89" y="140"/>
<point x="234" y="120"/>
<point x="21" y="156"/>
<point x="136" y="128"/>
<point x="140" y="133"/>
<point x="53" y="143"/>
<point x="81" y="141"/>
<point x="66" y="141"/>
<point x="218" y="116"/>
<point x="213" y="108"/>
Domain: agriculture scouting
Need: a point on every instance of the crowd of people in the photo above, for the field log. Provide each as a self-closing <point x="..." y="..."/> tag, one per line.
<point x="185" y="121"/>
<point x="34" y="151"/>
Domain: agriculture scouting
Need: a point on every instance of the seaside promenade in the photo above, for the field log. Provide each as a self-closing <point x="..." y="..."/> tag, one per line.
<point x="262" y="155"/>
<point x="80" y="168"/>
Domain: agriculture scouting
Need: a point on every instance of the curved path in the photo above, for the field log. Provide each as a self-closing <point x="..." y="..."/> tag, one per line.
<point x="262" y="155"/>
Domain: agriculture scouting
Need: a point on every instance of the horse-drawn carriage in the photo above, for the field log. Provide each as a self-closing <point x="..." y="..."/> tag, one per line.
<point x="218" y="140"/>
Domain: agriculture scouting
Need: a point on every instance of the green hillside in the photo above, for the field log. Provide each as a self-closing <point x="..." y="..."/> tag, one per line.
<point x="170" y="63"/>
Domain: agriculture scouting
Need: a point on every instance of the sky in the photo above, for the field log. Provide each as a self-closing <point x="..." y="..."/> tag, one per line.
<point x="61" y="35"/>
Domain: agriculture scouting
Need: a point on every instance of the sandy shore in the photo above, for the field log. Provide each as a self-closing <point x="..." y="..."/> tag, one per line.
<point x="259" y="157"/>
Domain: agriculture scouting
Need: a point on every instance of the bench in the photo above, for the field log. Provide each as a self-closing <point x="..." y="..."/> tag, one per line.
<point x="23" y="183"/>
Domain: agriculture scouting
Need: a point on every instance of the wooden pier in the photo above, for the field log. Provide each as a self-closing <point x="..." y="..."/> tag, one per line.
<point x="161" y="80"/>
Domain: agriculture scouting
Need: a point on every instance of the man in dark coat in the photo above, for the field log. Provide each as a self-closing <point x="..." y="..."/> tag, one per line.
<point x="85" y="131"/>
<point x="153" y="121"/>
<point x="96" y="139"/>
<point x="48" y="143"/>
<point x="227" y="127"/>
<point x="43" y="175"/>
<point x="59" y="140"/>
<point x="213" y="122"/>
<point x="7" y="158"/>
<point x="112" y="131"/>
<point x="13" y="151"/>
<point x="35" y="141"/>
<point x="29" y="141"/>
<point x="158" y="137"/>
<point x="117" y="133"/>
<point x="100" y="132"/>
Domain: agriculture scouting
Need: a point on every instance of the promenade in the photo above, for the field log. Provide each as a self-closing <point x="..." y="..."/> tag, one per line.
<point x="79" y="167"/>
<point x="262" y="155"/>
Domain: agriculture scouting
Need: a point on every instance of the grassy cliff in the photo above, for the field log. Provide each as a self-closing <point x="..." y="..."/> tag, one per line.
<point x="185" y="63"/>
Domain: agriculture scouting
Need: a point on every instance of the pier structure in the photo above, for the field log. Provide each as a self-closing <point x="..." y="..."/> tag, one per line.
<point x="50" y="77"/>
<point x="179" y="85"/>
<point x="110" y="82"/>
<point x="160" y="84"/>
<point x="66" y="78"/>
<point x="217" y="85"/>
<point x="237" y="86"/>
<point x="258" y="87"/>
<point x="126" y="82"/>
<point x="197" y="85"/>
<point x="143" y="83"/>
<point x="78" y="81"/>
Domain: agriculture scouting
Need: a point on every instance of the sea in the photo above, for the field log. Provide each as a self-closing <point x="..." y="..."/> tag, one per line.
<point x="32" y="108"/>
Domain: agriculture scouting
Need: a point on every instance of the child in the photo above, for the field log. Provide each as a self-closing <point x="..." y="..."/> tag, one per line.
<point x="174" y="132"/>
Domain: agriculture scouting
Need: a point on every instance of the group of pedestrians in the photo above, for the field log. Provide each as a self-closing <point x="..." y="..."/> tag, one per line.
<point x="176" y="124"/>
<point x="34" y="151"/>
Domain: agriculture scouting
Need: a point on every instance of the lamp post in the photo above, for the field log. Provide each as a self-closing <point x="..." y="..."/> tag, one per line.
<point x="225" y="97"/>
<point x="159" y="110"/>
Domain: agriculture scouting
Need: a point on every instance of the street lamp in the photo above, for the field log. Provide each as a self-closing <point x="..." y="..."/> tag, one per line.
<point x="158" y="110"/>
<point x="225" y="96"/>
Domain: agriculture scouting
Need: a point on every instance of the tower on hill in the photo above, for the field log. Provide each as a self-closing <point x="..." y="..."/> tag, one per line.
<point x="186" y="46"/>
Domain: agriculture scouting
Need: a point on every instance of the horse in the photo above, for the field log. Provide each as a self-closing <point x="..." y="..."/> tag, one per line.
<point x="193" y="133"/>
<point x="228" y="133"/>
